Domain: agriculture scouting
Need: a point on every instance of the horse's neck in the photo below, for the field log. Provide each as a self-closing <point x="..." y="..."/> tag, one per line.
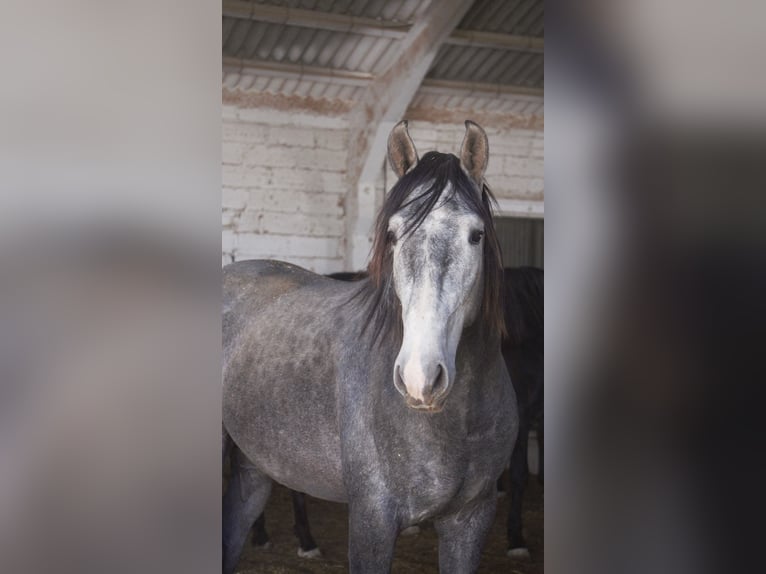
<point x="476" y="355"/>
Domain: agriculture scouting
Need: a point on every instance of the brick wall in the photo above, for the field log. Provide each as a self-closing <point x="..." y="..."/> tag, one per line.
<point x="283" y="188"/>
<point x="284" y="181"/>
<point x="515" y="169"/>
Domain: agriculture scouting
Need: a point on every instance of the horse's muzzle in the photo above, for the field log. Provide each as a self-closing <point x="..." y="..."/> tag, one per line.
<point x="425" y="387"/>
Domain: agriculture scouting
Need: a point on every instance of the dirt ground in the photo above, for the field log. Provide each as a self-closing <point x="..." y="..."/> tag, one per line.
<point x="417" y="553"/>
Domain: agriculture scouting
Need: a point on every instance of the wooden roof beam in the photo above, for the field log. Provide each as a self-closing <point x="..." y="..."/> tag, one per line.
<point x="363" y="79"/>
<point x="297" y="71"/>
<point x="479" y="39"/>
<point x="382" y="105"/>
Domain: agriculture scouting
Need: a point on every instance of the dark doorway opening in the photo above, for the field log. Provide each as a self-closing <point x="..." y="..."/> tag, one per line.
<point x="521" y="241"/>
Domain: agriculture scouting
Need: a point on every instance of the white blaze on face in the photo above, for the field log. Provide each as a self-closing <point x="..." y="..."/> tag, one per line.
<point x="422" y="333"/>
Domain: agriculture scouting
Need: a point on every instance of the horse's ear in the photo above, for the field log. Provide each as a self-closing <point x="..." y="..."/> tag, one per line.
<point x="401" y="151"/>
<point x="474" y="153"/>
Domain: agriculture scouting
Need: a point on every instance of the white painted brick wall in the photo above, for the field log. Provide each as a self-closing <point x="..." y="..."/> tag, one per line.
<point x="283" y="188"/>
<point x="284" y="181"/>
<point x="515" y="169"/>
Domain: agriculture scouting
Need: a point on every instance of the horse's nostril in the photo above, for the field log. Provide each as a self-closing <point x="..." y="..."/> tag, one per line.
<point x="440" y="380"/>
<point x="398" y="381"/>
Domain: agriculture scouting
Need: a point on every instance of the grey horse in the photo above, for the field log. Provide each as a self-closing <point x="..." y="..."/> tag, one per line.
<point x="389" y="394"/>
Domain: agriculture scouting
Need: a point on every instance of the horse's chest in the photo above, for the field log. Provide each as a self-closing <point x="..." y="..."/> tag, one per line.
<point x="433" y="486"/>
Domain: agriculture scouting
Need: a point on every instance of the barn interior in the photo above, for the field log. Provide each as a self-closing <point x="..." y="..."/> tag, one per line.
<point x="311" y="90"/>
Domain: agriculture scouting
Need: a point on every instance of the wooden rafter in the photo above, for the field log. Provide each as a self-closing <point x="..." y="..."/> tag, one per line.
<point x="363" y="79"/>
<point x="384" y="103"/>
<point x="389" y="94"/>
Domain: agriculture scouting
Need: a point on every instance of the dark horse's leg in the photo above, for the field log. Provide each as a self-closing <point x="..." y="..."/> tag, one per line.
<point x="308" y="548"/>
<point x="462" y="536"/>
<point x="517" y="547"/>
<point x="244" y="500"/>
<point x="260" y="536"/>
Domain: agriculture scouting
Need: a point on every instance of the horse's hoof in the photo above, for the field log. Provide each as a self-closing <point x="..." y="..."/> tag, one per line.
<point x="264" y="546"/>
<point x="313" y="553"/>
<point x="518" y="554"/>
<point x="411" y="530"/>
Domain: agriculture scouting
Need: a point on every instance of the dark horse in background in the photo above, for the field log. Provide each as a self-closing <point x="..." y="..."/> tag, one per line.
<point x="523" y="353"/>
<point x="522" y="349"/>
<point x="390" y="393"/>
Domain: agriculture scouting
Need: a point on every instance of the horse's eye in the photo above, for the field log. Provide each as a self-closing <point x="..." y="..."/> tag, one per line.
<point x="475" y="237"/>
<point x="391" y="238"/>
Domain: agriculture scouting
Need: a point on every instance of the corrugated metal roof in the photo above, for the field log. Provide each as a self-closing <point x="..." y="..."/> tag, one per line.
<point x="287" y="52"/>
<point x="392" y="10"/>
<point x="520" y="17"/>
<point x="254" y="40"/>
<point x="488" y="65"/>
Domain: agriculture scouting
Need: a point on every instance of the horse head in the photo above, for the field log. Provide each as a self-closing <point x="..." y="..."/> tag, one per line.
<point x="436" y="252"/>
